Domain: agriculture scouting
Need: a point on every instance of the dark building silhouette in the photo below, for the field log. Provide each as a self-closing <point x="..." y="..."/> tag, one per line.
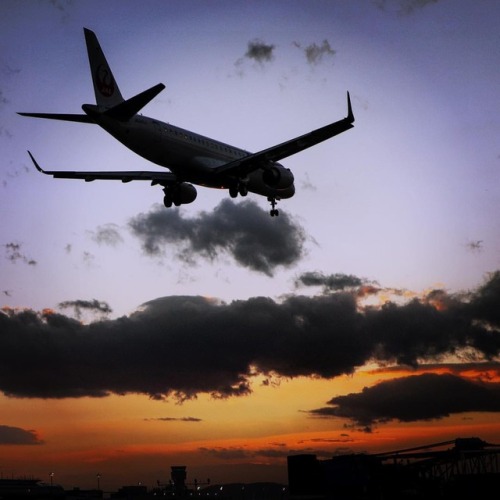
<point x="178" y="477"/>
<point x="469" y="469"/>
<point x="128" y="492"/>
<point x="12" y="489"/>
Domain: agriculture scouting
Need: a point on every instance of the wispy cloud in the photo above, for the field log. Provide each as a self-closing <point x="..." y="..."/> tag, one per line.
<point x="14" y="254"/>
<point x="174" y="419"/>
<point x="108" y="234"/>
<point x="403" y="7"/>
<point x="93" y="306"/>
<point x="338" y="281"/>
<point x="315" y="53"/>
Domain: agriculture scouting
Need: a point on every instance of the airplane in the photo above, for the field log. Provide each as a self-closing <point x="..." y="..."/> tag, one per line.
<point x="191" y="159"/>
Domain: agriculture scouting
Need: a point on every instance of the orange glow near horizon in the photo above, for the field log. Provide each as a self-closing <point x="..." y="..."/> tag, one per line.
<point x="133" y="436"/>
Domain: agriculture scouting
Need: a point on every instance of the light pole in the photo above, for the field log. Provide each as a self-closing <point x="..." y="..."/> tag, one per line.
<point x="51" y="479"/>
<point x="98" y="482"/>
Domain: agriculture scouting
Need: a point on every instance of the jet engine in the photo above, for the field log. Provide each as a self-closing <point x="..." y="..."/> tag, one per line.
<point x="278" y="177"/>
<point x="179" y="194"/>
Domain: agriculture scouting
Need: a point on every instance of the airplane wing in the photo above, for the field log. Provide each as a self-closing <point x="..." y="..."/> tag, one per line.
<point x="124" y="176"/>
<point x="247" y="164"/>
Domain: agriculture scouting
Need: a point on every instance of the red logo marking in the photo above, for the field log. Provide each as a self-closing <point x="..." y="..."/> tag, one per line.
<point x="104" y="81"/>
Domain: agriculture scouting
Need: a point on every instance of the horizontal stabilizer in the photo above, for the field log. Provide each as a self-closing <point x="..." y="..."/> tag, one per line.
<point x="127" y="109"/>
<point x="59" y="116"/>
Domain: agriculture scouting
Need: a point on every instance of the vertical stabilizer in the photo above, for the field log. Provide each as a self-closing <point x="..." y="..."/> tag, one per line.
<point x="106" y="89"/>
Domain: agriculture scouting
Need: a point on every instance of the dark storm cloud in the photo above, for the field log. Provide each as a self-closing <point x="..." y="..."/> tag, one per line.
<point x="420" y="397"/>
<point x="315" y="53"/>
<point x="108" y="234"/>
<point x="79" y="306"/>
<point x="17" y="436"/>
<point x="182" y="346"/>
<point x="242" y="230"/>
<point x="14" y="254"/>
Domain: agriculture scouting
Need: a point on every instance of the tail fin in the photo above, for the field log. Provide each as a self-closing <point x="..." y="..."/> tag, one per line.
<point x="106" y="89"/>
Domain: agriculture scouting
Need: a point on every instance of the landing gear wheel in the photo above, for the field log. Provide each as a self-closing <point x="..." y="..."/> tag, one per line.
<point x="233" y="191"/>
<point x="243" y="189"/>
<point x="274" y="211"/>
<point x="167" y="200"/>
<point x="239" y="188"/>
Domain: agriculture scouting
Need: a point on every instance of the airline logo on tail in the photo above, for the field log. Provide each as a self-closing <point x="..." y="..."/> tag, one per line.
<point x="104" y="81"/>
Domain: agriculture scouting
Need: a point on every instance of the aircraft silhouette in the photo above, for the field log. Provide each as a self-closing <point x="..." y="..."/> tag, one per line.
<point x="190" y="158"/>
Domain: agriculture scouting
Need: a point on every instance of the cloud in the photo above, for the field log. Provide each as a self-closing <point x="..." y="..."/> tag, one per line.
<point x="338" y="281"/>
<point x="242" y="230"/>
<point x="174" y="419"/>
<point x="79" y="306"/>
<point x="475" y="246"/>
<point x="241" y="453"/>
<point x="403" y="7"/>
<point x="421" y="397"/>
<point x="260" y="51"/>
<point x="257" y="51"/>
<point x="14" y="254"/>
<point x="229" y="343"/>
<point x="17" y="436"/>
<point x="233" y="453"/>
<point x="88" y="258"/>
<point x="315" y="53"/>
<point x="107" y="234"/>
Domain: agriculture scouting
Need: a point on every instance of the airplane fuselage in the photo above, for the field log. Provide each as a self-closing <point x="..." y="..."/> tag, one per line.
<point x="190" y="156"/>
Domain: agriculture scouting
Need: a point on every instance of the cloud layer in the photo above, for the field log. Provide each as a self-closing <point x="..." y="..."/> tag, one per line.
<point x="153" y="351"/>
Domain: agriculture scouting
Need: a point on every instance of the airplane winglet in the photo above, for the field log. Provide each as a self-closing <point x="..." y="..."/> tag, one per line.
<point x="350" y="115"/>
<point x="40" y="169"/>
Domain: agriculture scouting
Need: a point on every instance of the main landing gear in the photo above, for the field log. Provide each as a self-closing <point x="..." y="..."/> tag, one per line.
<point x="239" y="188"/>
<point x="168" y="199"/>
<point x="274" y="211"/>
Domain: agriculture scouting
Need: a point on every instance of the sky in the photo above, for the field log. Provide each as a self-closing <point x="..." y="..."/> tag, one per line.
<point x="365" y="318"/>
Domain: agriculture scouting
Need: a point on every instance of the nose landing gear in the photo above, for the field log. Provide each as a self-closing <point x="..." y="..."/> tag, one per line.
<point x="274" y="211"/>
